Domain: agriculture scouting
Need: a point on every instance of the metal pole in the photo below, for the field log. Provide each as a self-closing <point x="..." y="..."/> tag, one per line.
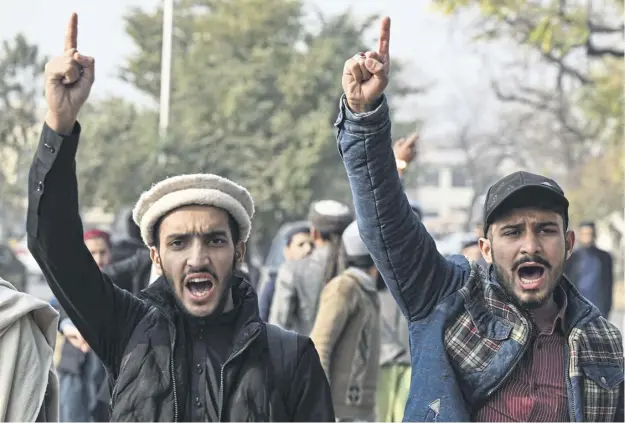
<point x="166" y="55"/>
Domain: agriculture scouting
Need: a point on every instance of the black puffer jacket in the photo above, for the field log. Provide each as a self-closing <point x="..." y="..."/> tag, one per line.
<point x="156" y="357"/>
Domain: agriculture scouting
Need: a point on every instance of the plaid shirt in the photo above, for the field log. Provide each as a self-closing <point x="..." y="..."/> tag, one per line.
<point x="592" y="348"/>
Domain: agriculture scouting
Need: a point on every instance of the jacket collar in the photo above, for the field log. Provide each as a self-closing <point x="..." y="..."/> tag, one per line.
<point x="364" y="279"/>
<point x="161" y="295"/>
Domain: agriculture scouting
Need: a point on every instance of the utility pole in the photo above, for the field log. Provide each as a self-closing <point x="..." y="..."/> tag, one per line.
<point x="166" y="59"/>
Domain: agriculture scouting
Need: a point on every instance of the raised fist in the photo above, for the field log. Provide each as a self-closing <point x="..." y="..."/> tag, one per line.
<point x="365" y="75"/>
<point x="68" y="82"/>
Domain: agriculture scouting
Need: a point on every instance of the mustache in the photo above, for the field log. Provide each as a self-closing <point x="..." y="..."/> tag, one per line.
<point x="531" y="259"/>
<point x="202" y="269"/>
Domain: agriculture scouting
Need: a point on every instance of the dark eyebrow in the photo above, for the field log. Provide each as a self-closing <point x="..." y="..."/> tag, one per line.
<point x="515" y="227"/>
<point x="547" y="223"/>
<point x="209" y="234"/>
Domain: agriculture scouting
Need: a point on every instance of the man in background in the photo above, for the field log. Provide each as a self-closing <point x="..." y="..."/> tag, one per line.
<point x="29" y="388"/>
<point x="298" y="245"/>
<point x="81" y="374"/>
<point x="299" y="282"/>
<point x="347" y="332"/>
<point x="590" y="269"/>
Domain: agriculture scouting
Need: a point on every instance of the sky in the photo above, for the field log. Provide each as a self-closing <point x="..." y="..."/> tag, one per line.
<point x="436" y="48"/>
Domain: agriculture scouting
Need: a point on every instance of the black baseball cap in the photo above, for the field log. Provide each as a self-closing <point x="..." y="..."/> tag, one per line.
<point x="523" y="189"/>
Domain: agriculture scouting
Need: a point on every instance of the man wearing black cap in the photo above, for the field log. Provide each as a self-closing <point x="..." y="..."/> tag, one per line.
<point x="514" y="343"/>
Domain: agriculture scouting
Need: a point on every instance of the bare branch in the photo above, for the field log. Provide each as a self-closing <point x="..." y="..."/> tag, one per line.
<point x="594" y="51"/>
<point x="601" y="29"/>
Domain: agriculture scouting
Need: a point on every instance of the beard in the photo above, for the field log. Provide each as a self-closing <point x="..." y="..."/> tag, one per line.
<point x="508" y="283"/>
<point x="223" y="296"/>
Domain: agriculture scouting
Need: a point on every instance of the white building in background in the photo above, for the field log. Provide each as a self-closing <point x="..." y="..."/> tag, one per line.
<point x="443" y="188"/>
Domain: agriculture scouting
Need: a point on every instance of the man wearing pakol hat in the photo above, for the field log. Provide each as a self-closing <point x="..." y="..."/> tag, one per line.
<point x="347" y="332"/>
<point x="190" y="347"/>
<point x="299" y="282"/>
<point x="515" y="343"/>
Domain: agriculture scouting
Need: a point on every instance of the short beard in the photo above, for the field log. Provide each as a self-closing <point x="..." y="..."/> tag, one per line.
<point x="223" y="299"/>
<point x="508" y="285"/>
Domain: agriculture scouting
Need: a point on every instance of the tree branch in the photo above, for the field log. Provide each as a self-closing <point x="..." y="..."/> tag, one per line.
<point x="594" y="51"/>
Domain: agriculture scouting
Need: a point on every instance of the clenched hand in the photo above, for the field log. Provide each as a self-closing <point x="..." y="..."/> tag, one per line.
<point x="365" y="75"/>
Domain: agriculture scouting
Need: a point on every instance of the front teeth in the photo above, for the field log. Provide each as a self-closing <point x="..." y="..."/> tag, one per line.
<point x="198" y="280"/>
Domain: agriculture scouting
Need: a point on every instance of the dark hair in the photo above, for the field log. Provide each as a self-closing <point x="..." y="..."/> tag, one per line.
<point x="132" y="228"/>
<point x="470" y="243"/>
<point x="234" y="229"/>
<point x="295" y="231"/>
<point x="588" y="224"/>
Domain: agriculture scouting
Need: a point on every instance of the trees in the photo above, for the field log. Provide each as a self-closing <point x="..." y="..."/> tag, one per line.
<point x="254" y="95"/>
<point x="21" y="67"/>
<point x="577" y="102"/>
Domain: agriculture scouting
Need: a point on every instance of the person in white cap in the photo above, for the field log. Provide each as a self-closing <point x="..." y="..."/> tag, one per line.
<point x="191" y="346"/>
<point x="299" y="282"/>
<point x="347" y="332"/>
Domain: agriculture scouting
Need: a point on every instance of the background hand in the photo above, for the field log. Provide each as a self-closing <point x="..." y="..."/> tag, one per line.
<point x="406" y="148"/>
<point x="75" y="338"/>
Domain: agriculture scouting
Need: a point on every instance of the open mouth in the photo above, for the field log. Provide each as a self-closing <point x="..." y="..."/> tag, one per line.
<point x="199" y="287"/>
<point x="531" y="274"/>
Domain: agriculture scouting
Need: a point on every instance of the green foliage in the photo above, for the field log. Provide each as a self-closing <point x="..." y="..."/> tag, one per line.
<point x="255" y="92"/>
<point x="21" y="66"/>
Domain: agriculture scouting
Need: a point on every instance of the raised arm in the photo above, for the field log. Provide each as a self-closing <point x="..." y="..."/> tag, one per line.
<point x="104" y="314"/>
<point x="405" y="254"/>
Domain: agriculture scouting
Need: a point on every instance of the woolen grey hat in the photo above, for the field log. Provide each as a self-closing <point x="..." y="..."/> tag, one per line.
<point x="352" y="243"/>
<point x="197" y="189"/>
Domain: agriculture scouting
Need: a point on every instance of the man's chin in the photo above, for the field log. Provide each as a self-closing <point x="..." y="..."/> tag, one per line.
<point x="199" y="311"/>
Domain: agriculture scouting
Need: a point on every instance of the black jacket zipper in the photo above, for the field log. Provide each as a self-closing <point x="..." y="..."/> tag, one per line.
<point x="232" y="356"/>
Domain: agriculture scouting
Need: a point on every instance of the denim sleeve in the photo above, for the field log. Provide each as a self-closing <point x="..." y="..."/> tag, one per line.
<point x="417" y="275"/>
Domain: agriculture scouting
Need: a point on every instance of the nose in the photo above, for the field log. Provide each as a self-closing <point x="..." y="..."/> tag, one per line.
<point x="531" y="244"/>
<point x="198" y="254"/>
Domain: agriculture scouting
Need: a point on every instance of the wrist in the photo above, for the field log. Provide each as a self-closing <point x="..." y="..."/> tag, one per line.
<point x="60" y="125"/>
<point x="357" y="107"/>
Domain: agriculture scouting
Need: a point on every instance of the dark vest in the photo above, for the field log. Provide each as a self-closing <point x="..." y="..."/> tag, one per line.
<point x="153" y="380"/>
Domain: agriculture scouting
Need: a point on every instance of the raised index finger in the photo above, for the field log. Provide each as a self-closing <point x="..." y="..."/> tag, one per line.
<point x="71" y="33"/>
<point x="385" y="37"/>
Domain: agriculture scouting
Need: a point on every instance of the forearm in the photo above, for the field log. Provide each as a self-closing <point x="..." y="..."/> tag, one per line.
<point x="406" y="255"/>
<point x="55" y="238"/>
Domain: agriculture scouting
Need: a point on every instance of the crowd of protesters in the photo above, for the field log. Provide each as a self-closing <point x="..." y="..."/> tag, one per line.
<point x="364" y="321"/>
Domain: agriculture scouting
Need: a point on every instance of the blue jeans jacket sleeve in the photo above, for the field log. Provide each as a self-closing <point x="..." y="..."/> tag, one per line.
<point x="417" y="275"/>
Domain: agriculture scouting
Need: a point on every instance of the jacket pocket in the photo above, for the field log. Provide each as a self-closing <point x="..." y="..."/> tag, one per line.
<point x="601" y="391"/>
<point x="472" y="348"/>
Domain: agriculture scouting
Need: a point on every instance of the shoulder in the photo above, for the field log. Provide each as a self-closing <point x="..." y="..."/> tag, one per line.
<point x="290" y="344"/>
<point x="602" y="337"/>
<point x="342" y="285"/>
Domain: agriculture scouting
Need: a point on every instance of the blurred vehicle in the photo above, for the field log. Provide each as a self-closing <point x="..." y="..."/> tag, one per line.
<point x="12" y="269"/>
<point x="34" y="273"/>
<point x="125" y="235"/>
<point x="275" y="256"/>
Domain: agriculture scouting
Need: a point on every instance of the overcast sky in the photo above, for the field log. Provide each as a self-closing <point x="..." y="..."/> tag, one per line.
<point x="434" y="44"/>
